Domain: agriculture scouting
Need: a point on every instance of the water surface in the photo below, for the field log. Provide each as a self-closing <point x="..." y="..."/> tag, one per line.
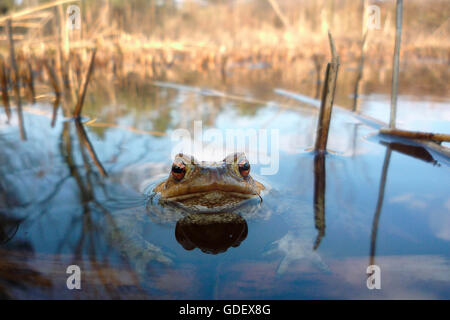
<point x="369" y="201"/>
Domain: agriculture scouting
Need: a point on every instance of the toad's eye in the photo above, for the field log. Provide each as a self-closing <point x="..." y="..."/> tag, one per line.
<point x="244" y="168"/>
<point x="178" y="170"/>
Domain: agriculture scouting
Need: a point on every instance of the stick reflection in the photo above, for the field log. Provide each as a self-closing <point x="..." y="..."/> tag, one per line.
<point x="319" y="196"/>
<point x="376" y="217"/>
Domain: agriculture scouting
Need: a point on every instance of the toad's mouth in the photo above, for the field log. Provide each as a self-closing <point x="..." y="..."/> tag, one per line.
<point x="211" y="190"/>
<point x="212" y="200"/>
<point x="214" y="193"/>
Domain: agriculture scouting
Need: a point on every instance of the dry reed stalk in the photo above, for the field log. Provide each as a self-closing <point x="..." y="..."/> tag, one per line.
<point x="16" y="79"/>
<point x="396" y="63"/>
<point x="55" y="109"/>
<point x="326" y="106"/>
<point x="28" y="11"/>
<point x="59" y="52"/>
<point x="53" y="78"/>
<point x="82" y="91"/>
<point x="360" y="74"/>
<point x="4" y="88"/>
<point x="29" y="80"/>
<point x="64" y="43"/>
<point x="73" y="93"/>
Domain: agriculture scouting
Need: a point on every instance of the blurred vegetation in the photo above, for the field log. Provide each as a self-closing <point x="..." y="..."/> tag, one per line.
<point x="247" y="22"/>
<point x="227" y="43"/>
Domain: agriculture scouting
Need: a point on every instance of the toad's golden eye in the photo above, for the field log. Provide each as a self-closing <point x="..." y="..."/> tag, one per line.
<point x="178" y="170"/>
<point x="244" y="168"/>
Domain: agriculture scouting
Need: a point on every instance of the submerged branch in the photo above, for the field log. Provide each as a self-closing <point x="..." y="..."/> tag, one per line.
<point x="439" y="137"/>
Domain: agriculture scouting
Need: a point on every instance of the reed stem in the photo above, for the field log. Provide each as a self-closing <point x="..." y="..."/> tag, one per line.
<point x="4" y="88"/>
<point x="326" y="105"/>
<point x="82" y="91"/>
<point x="396" y="63"/>
<point x="16" y="78"/>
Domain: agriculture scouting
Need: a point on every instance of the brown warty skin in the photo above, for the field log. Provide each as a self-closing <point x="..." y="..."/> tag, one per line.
<point x="209" y="184"/>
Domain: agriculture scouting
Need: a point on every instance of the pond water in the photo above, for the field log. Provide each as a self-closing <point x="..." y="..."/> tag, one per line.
<point x="323" y="222"/>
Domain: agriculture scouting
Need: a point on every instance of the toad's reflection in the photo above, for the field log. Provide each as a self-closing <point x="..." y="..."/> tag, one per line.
<point x="211" y="232"/>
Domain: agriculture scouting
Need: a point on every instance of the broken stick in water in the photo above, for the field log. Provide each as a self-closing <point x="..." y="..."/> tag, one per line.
<point x="438" y="137"/>
<point x="326" y="105"/>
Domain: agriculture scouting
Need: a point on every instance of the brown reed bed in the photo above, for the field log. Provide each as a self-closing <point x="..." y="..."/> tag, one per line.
<point x="150" y="42"/>
<point x="151" y="38"/>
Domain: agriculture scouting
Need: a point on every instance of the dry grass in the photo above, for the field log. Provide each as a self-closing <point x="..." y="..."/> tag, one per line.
<point x="152" y="41"/>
